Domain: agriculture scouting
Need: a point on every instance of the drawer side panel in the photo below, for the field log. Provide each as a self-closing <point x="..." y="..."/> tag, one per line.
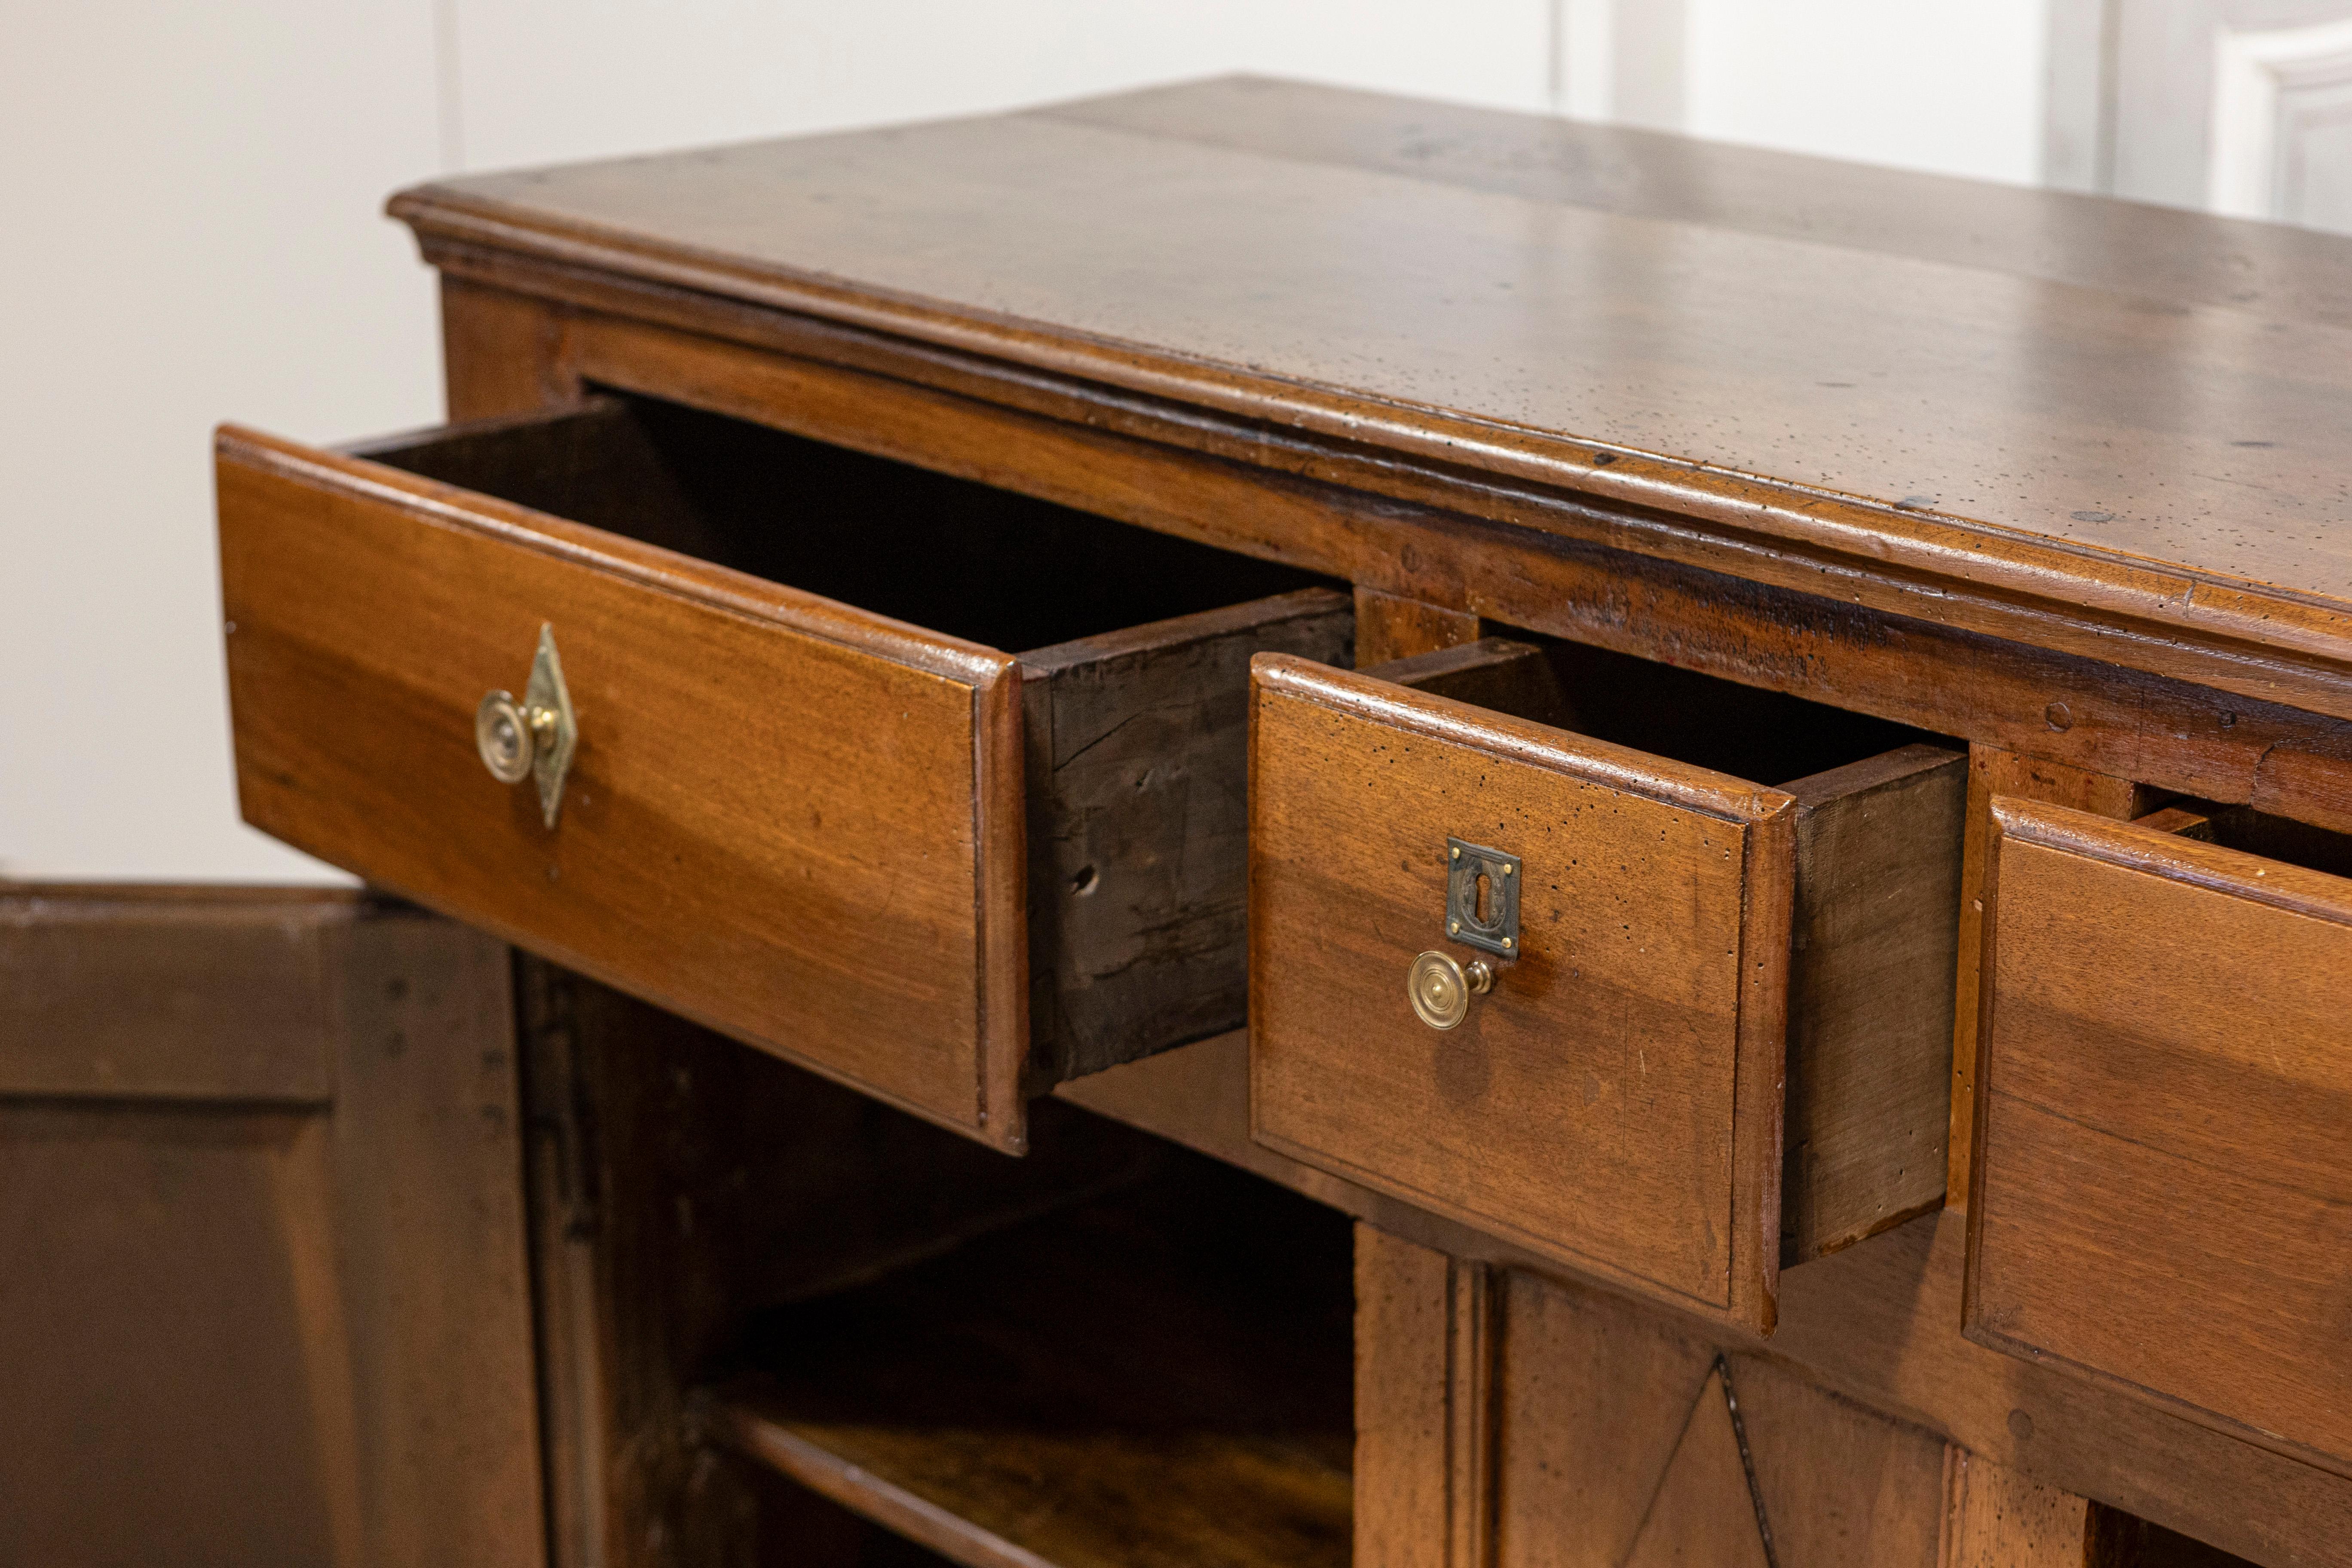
<point x="1138" y="827"/>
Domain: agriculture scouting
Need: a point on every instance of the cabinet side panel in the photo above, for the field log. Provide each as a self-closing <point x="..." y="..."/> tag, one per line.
<point x="501" y="352"/>
<point x="256" y="1332"/>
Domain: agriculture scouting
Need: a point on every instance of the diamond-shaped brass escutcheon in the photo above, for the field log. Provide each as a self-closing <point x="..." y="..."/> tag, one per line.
<point x="533" y="738"/>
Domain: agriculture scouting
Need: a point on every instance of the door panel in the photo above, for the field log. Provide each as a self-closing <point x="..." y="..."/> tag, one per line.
<point x="260" y="1196"/>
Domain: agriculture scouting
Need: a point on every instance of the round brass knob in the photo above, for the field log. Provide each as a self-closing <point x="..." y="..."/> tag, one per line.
<point x="532" y="739"/>
<point x="1441" y="989"/>
<point x="503" y="734"/>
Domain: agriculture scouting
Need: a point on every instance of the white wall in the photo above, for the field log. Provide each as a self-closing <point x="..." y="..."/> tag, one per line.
<point x="1953" y="86"/>
<point x="547" y="79"/>
<point x="194" y="196"/>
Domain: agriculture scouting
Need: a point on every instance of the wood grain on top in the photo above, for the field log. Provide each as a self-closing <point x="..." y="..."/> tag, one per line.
<point x="2112" y="404"/>
<point x="2161" y="253"/>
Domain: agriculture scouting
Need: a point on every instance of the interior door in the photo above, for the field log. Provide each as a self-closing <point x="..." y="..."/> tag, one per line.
<point x="2243" y="107"/>
<point x="261" y="1206"/>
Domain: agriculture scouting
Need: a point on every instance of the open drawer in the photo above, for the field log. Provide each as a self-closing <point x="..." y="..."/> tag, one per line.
<point x="830" y="818"/>
<point x="1522" y="954"/>
<point x="2161" y="1181"/>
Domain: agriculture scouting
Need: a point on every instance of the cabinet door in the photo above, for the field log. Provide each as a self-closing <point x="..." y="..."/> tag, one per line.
<point x="1506" y="1421"/>
<point x="260" y="1196"/>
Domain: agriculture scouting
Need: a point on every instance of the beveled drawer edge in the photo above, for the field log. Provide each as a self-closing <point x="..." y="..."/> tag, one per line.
<point x="513" y="936"/>
<point x="991" y="1120"/>
<point x="2140" y="1392"/>
<point x="1299" y="603"/>
<point x="1600" y="762"/>
<point x="2280" y="884"/>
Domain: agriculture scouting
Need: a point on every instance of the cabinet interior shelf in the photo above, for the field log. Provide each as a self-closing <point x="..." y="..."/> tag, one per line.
<point x="1161" y="1375"/>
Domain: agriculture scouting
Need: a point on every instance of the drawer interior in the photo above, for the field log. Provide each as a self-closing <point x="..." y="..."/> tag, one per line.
<point x="2241" y="828"/>
<point x="1765" y="737"/>
<point x="953" y="555"/>
<point x="1130" y="713"/>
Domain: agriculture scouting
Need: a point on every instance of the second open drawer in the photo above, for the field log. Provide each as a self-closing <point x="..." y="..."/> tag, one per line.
<point x="1660" y="941"/>
<point x="832" y="818"/>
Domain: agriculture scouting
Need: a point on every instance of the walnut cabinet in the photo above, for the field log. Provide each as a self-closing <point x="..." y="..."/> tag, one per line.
<point x="1642" y="842"/>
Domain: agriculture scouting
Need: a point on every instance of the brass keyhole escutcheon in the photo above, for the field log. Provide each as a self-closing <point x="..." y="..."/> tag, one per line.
<point x="1481" y="897"/>
<point x="1440" y="989"/>
<point x="532" y="739"/>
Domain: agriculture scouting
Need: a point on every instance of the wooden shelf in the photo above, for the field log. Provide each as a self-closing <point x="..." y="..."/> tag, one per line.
<point x="1158" y="1377"/>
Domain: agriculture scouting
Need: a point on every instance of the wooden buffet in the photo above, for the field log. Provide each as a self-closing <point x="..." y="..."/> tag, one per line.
<point x="1745" y="762"/>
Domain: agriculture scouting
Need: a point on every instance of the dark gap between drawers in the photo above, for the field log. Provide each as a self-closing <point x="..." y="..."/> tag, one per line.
<point x="2277" y="839"/>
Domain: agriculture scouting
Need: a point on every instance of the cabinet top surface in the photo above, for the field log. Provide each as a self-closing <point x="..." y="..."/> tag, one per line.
<point x="2142" y="399"/>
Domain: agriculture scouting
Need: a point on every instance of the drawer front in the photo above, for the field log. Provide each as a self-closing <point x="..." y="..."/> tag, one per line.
<point x="2162" y="1181"/>
<point x="786" y="819"/>
<point x="1615" y="1100"/>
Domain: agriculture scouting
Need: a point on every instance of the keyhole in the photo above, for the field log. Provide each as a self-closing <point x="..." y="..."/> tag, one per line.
<point x="1486" y="916"/>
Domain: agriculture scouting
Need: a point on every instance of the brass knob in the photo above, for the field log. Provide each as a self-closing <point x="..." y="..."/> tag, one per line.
<point x="507" y="737"/>
<point x="1441" y="989"/>
<point x="532" y="739"/>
